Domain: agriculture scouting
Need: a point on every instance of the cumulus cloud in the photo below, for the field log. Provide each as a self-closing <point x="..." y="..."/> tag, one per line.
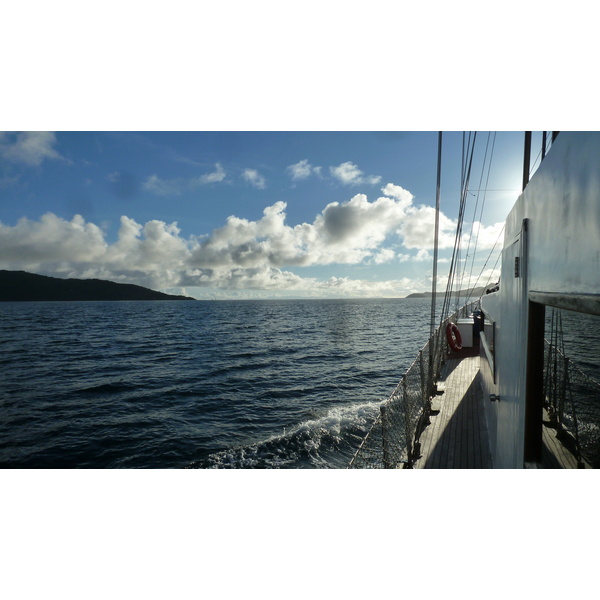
<point x="243" y="254"/>
<point x="30" y="148"/>
<point x="421" y="256"/>
<point x="253" y="177"/>
<point x="302" y="170"/>
<point x="484" y="237"/>
<point x="385" y="255"/>
<point x="344" y="233"/>
<point x="349" y="174"/>
<point x="418" y="227"/>
<point x="395" y="191"/>
<point x="50" y="240"/>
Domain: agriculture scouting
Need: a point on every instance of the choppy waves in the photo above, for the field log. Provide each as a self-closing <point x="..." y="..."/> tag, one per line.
<point x="327" y="442"/>
<point x="263" y="384"/>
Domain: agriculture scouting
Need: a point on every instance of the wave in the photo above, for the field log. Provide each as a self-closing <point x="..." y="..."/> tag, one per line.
<point x="108" y="388"/>
<point x="326" y="442"/>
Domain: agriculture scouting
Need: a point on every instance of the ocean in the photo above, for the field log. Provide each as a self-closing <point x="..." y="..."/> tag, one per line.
<point x="207" y="384"/>
<point x="224" y="384"/>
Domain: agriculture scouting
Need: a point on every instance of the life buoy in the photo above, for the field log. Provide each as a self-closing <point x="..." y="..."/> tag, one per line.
<point x="453" y="337"/>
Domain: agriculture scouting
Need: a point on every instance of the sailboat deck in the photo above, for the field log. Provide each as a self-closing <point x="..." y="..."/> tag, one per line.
<point x="457" y="436"/>
<point x="558" y="450"/>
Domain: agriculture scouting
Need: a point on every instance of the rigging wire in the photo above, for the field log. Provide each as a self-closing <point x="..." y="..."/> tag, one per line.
<point x="486" y="262"/>
<point x="463" y="270"/>
<point x="541" y="154"/>
<point x="481" y="211"/>
<point x="467" y="160"/>
<point x="436" y="236"/>
<point x="434" y="344"/>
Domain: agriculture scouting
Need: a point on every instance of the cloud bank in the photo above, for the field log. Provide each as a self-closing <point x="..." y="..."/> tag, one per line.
<point x="242" y="254"/>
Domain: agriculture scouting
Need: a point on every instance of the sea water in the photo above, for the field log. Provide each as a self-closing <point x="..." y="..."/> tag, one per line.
<point x="238" y="384"/>
<point x="267" y="384"/>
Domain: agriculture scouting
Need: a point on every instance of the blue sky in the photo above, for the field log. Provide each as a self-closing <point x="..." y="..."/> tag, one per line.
<point x="250" y="214"/>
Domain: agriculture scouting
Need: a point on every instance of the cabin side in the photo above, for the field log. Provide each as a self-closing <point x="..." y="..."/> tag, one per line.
<point x="551" y="257"/>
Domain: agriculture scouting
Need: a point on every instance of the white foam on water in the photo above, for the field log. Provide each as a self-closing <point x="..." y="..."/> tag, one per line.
<point x="304" y="444"/>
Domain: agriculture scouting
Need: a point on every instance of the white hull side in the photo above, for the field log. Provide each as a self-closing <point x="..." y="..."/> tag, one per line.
<point x="554" y="230"/>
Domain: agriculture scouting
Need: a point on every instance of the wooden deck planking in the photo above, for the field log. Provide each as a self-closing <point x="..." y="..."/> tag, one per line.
<point x="556" y="454"/>
<point x="456" y="437"/>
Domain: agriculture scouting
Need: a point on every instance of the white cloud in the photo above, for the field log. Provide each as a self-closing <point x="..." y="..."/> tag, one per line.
<point x="51" y="239"/>
<point x="215" y="177"/>
<point x="349" y="174"/>
<point x="242" y="254"/>
<point x="302" y="170"/>
<point x="395" y="191"/>
<point x="418" y="227"/>
<point x="282" y="284"/>
<point x="385" y="255"/>
<point x="344" y="233"/>
<point x="485" y="237"/>
<point x="344" y="286"/>
<point x="253" y="177"/>
<point x="29" y="148"/>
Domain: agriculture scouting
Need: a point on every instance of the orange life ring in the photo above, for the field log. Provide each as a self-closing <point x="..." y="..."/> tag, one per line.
<point x="453" y="337"/>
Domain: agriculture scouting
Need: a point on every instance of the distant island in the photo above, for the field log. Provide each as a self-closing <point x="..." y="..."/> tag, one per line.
<point x="19" y="286"/>
<point x="474" y="293"/>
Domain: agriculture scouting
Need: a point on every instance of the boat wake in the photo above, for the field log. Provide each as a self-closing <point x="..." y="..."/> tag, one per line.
<point x="329" y="441"/>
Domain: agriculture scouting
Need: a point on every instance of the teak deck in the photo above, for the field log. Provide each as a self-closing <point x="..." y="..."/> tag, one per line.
<point x="556" y="453"/>
<point x="457" y="436"/>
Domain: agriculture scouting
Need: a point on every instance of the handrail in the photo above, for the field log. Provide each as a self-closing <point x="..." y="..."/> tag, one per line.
<point x="393" y="440"/>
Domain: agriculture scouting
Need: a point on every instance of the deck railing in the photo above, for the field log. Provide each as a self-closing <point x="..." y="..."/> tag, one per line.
<point x="393" y="440"/>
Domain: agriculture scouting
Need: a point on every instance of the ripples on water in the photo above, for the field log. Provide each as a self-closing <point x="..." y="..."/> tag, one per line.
<point x="199" y="384"/>
<point x="242" y="384"/>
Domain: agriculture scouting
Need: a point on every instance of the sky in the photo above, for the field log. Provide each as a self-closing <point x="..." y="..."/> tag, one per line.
<point x="251" y="214"/>
<point x="280" y="153"/>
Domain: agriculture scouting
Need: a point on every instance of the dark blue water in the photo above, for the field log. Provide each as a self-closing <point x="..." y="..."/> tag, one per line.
<point x="240" y="384"/>
<point x="265" y="384"/>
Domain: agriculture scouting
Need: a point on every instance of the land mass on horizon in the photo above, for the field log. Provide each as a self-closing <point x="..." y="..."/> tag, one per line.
<point x="20" y="286"/>
<point x="474" y="292"/>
